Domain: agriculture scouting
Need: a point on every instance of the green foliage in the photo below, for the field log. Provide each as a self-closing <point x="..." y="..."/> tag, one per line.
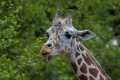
<point x="22" y="27"/>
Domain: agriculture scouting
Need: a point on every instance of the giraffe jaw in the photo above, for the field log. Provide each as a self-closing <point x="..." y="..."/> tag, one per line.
<point x="47" y="58"/>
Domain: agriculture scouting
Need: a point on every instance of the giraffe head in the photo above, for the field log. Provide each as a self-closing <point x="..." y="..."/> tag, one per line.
<point x="60" y="36"/>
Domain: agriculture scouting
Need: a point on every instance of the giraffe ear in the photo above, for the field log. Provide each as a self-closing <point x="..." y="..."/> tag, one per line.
<point x="85" y="34"/>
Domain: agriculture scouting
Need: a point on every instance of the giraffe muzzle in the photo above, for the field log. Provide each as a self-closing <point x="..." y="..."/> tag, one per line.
<point x="45" y="51"/>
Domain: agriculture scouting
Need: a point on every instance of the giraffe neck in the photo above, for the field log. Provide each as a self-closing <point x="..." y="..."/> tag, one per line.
<point x="85" y="66"/>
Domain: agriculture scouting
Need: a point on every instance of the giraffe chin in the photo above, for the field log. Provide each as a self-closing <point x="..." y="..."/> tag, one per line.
<point x="47" y="58"/>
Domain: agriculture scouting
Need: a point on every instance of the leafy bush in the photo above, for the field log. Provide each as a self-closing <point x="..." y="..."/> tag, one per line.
<point x="22" y="27"/>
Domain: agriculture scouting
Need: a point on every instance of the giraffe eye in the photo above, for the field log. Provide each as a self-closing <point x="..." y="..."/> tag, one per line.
<point x="68" y="35"/>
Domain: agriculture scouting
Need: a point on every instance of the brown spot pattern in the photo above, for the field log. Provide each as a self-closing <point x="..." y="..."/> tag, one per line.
<point x="91" y="78"/>
<point x="81" y="47"/>
<point x="78" y="48"/>
<point x="87" y="59"/>
<point x="77" y="54"/>
<point x="79" y="61"/>
<point x="83" y="77"/>
<point x="101" y="78"/>
<point x="74" y="66"/>
<point x="93" y="71"/>
<point x="83" y="68"/>
<point x="57" y="45"/>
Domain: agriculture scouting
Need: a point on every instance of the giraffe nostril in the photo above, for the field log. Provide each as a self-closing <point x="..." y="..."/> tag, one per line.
<point x="49" y="45"/>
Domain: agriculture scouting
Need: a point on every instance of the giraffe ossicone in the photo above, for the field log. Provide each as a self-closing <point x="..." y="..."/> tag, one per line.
<point x="64" y="38"/>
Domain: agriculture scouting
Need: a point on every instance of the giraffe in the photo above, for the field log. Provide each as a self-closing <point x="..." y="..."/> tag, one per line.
<point x="64" y="38"/>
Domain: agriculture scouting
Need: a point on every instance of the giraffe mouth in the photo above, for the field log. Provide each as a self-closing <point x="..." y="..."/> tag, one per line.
<point x="46" y="53"/>
<point x="46" y="56"/>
